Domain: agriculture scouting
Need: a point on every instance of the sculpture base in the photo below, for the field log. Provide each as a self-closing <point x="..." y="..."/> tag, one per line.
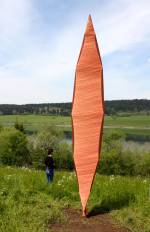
<point x="84" y="213"/>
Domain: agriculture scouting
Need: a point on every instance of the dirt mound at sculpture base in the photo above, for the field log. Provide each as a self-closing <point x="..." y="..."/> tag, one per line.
<point x="95" y="223"/>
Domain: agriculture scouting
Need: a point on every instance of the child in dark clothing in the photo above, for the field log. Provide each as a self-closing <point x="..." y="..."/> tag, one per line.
<point x="49" y="163"/>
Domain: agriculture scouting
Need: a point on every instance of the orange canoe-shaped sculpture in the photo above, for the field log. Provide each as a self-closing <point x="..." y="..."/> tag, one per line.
<point x="87" y="113"/>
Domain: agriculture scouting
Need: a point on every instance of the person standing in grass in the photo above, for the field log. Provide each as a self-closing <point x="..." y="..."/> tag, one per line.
<point x="49" y="163"/>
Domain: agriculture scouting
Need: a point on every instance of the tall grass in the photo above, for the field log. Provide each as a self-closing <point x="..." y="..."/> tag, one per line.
<point x="126" y="198"/>
<point x="28" y="203"/>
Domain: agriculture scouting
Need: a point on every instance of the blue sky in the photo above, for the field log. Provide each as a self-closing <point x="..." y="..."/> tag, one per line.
<point x="40" y="41"/>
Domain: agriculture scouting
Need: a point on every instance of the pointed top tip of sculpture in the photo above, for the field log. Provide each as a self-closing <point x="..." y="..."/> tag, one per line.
<point x="89" y="27"/>
<point x="90" y="18"/>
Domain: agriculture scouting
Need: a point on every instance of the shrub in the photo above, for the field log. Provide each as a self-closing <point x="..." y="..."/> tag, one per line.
<point x="114" y="160"/>
<point x="143" y="164"/>
<point x="63" y="157"/>
<point x="40" y="143"/>
<point x="19" y="126"/>
<point x="13" y="147"/>
<point x="111" y="154"/>
<point x="1" y="127"/>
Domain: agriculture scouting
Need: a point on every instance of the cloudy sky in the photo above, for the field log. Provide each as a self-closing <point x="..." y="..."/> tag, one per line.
<point x="40" y="42"/>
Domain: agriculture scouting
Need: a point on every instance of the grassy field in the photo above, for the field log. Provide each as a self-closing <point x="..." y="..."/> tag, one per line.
<point x="139" y="125"/>
<point x="35" y="122"/>
<point x="28" y="203"/>
<point x="135" y="121"/>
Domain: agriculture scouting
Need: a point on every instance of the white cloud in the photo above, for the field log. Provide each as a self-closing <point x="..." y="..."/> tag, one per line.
<point x="123" y="24"/>
<point x="121" y="84"/>
<point x="33" y="91"/>
<point x="44" y="69"/>
<point x="15" y="16"/>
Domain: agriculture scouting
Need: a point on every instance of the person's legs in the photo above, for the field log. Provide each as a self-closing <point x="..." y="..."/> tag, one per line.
<point x="48" y="177"/>
<point x="51" y="174"/>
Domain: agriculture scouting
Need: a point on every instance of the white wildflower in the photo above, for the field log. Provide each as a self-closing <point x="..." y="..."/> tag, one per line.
<point x="112" y="178"/>
<point x="59" y="182"/>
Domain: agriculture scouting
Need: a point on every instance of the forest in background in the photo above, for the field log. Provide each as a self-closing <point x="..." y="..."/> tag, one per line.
<point x="113" y="107"/>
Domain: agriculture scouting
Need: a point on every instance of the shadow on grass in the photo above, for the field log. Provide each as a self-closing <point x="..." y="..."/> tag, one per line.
<point x="111" y="203"/>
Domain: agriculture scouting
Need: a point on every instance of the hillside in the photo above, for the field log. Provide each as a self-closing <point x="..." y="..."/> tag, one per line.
<point x="28" y="203"/>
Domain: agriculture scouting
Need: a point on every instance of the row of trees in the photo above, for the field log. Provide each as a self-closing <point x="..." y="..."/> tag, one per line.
<point x="127" y="106"/>
<point x="111" y="108"/>
<point x="18" y="149"/>
<point x="44" y="109"/>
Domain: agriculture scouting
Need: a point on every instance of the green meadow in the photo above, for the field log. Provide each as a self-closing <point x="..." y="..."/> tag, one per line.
<point x="28" y="203"/>
<point x="36" y="122"/>
<point x="137" y="121"/>
<point x="134" y="124"/>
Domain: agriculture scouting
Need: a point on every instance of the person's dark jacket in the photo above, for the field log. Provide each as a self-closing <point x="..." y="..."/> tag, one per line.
<point x="49" y="162"/>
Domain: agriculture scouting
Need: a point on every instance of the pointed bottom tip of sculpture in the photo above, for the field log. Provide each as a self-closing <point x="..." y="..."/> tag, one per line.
<point x="84" y="213"/>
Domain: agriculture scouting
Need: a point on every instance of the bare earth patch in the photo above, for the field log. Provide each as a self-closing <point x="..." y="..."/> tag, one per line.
<point x="95" y="223"/>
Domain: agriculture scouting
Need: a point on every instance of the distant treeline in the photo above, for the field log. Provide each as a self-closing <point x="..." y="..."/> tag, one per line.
<point x="111" y="108"/>
<point x="128" y="106"/>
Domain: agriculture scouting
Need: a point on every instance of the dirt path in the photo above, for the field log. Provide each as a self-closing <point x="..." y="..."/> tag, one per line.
<point x="95" y="223"/>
